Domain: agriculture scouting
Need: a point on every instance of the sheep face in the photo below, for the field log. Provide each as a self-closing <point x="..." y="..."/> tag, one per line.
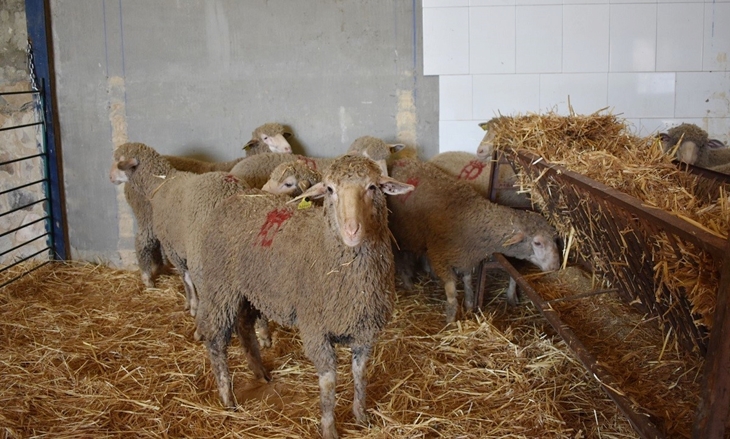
<point x="120" y="167"/>
<point x="273" y="136"/>
<point x="291" y="178"/>
<point x="354" y="197"/>
<point x="374" y="149"/>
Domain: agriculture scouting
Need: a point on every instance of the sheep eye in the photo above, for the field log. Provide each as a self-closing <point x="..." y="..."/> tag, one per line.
<point x="372" y="187"/>
<point x="538" y="243"/>
<point x="330" y="190"/>
<point x="288" y="184"/>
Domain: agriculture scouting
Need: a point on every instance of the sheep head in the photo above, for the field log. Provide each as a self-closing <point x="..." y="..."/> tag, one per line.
<point x="374" y="149"/>
<point x="272" y="136"/>
<point x="354" y="191"/>
<point x="534" y="241"/>
<point x="292" y="178"/>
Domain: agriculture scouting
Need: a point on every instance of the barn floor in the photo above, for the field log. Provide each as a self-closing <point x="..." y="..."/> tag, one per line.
<point x="86" y="351"/>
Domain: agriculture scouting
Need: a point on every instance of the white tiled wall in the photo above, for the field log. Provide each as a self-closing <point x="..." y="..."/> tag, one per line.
<point x="657" y="63"/>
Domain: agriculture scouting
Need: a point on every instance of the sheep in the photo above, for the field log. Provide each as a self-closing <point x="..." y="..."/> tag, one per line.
<point x="326" y="270"/>
<point x="467" y="167"/>
<point x="485" y="151"/>
<point x="268" y="137"/>
<point x="457" y="228"/>
<point x="691" y="144"/>
<point x="147" y="247"/>
<point x="257" y="170"/>
<point x="180" y="202"/>
<point x="292" y="178"/>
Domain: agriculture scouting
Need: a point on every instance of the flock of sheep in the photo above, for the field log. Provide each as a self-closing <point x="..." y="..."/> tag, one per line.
<point x="315" y="243"/>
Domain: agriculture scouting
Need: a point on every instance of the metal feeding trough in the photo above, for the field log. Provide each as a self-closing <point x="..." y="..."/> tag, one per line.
<point x="625" y="241"/>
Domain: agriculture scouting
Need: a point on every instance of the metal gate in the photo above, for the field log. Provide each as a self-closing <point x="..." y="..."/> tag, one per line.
<point x="32" y="222"/>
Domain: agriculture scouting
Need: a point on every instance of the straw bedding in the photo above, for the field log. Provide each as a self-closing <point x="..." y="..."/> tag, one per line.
<point x="88" y="352"/>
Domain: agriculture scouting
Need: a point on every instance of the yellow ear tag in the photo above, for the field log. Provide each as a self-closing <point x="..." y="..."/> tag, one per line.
<point x="304" y="204"/>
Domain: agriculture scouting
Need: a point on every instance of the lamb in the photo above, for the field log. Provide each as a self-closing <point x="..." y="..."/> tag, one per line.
<point x="292" y="178"/>
<point x="458" y="228"/>
<point x="326" y="270"/>
<point x="693" y="146"/>
<point x="269" y="137"/>
<point x="256" y="170"/>
<point x="180" y="203"/>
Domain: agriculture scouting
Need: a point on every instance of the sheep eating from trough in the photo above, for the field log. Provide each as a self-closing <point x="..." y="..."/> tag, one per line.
<point x="326" y="270"/>
<point x="269" y="137"/>
<point x="457" y="228"/>
<point x="180" y="203"/>
<point x="691" y="144"/>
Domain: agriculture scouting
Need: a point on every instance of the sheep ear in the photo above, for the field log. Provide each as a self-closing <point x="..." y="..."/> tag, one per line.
<point x="128" y="164"/>
<point x="395" y="147"/>
<point x="514" y="239"/>
<point x="314" y="192"/>
<point x="715" y="144"/>
<point x="250" y="143"/>
<point x="392" y="186"/>
<point x="484" y="125"/>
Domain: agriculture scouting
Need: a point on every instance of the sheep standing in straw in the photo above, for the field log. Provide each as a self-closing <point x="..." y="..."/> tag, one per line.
<point x="270" y="136"/>
<point x="180" y="203"/>
<point x="326" y="270"/>
<point x="448" y="221"/>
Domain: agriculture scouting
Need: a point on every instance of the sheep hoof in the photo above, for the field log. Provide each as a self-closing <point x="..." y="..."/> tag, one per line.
<point x="329" y="431"/>
<point x="197" y="336"/>
<point x="147" y="280"/>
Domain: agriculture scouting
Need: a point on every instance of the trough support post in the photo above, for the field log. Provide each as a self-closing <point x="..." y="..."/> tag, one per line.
<point x="714" y="405"/>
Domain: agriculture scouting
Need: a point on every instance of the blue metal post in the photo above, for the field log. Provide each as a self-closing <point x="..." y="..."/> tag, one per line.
<point x="37" y="16"/>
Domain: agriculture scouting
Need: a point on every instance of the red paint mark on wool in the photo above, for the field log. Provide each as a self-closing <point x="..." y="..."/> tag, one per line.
<point x="472" y="170"/>
<point x="274" y="220"/>
<point x="230" y="178"/>
<point x="413" y="181"/>
<point x="309" y="162"/>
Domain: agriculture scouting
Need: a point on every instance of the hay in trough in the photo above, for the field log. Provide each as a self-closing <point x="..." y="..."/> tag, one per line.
<point x="602" y="148"/>
<point x="88" y="352"/>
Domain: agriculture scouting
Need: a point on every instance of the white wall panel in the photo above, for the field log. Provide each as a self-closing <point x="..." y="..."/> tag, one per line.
<point x="492" y="39"/>
<point x="445" y="41"/>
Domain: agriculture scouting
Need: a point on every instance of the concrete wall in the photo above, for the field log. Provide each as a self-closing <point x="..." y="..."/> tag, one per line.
<point x="196" y="77"/>
<point x="15" y="110"/>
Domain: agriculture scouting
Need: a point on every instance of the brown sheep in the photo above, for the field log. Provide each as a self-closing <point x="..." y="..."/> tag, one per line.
<point x="458" y="228"/>
<point x="326" y="270"/>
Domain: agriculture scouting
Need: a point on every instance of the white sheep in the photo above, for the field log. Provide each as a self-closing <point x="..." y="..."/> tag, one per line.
<point x="180" y="203"/>
<point x="256" y="170"/>
<point x="292" y="178"/>
<point x="326" y="270"/>
<point x="269" y="137"/>
<point x="456" y="228"/>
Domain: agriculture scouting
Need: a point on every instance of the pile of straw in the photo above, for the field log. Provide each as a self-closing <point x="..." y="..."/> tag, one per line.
<point x="88" y="352"/>
<point x="601" y="147"/>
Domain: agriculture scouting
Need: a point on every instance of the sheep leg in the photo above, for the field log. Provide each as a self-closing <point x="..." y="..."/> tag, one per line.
<point x="360" y="357"/>
<point x="468" y="293"/>
<point x="149" y="257"/>
<point x="247" y="335"/>
<point x="262" y="331"/>
<point x="322" y="354"/>
<point x="404" y="263"/>
<point x="512" y="298"/>
<point x="191" y="297"/>
<point x="452" y="305"/>
<point x="218" y="351"/>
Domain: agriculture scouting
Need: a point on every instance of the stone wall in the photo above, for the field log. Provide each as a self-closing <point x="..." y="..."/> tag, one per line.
<point x="18" y="109"/>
